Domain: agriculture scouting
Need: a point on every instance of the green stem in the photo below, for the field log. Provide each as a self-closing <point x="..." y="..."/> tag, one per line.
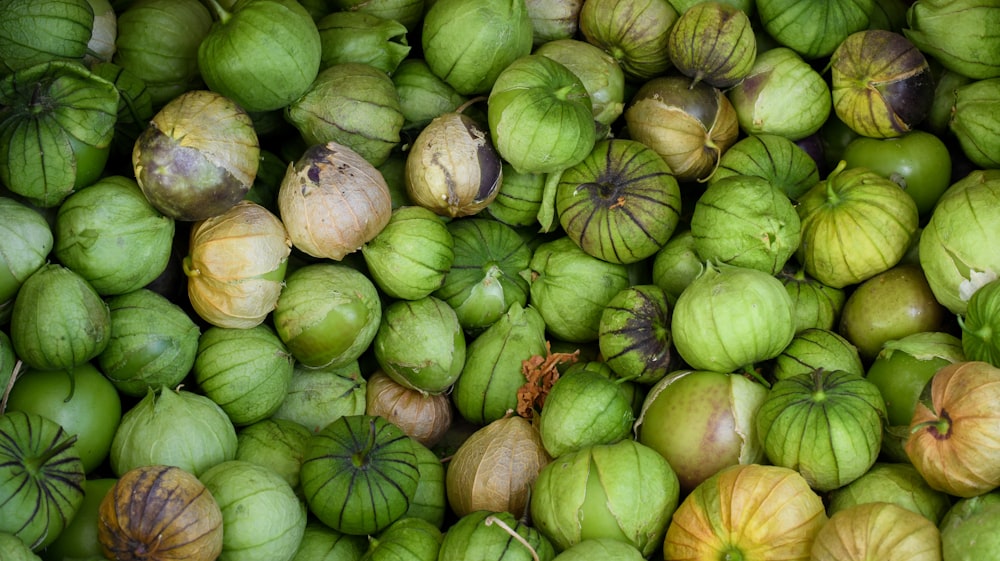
<point x="219" y="13"/>
<point x="751" y="372"/>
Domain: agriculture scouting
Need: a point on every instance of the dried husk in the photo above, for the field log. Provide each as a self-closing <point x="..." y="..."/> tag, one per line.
<point x="160" y="512"/>
<point x="953" y="441"/>
<point x="882" y="531"/>
<point x="690" y="126"/>
<point x="332" y="201"/>
<point x="236" y="266"/>
<point x="422" y="416"/>
<point x="495" y="468"/>
<point x="452" y="167"/>
<point x="749" y="511"/>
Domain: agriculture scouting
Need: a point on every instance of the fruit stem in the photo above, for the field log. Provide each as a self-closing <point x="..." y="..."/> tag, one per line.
<point x="939" y="428"/>
<point x="491" y="520"/>
<point x="219" y="13"/>
<point x="470" y="102"/>
<point x="753" y="374"/>
<point x="10" y="385"/>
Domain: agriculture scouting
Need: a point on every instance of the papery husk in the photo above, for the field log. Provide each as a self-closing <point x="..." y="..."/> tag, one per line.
<point x="877" y="531"/>
<point x="332" y="201"/>
<point x="747" y="511"/>
<point x="953" y="439"/>
<point x="452" y="167"/>
<point x="495" y="468"/>
<point x="160" y="507"/>
<point x="422" y="416"/>
<point x="236" y="266"/>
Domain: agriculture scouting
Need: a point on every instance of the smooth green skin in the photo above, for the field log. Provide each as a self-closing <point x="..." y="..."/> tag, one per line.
<point x="42" y="478"/>
<point x="919" y="161"/>
<point x="888" y="306"/>
<point x="263" y="54"/>
<point x="263" y="518"/>
<point x="83" y="402"/>
<point x="78" y="541"/>
<point x="25" y="242"/>
<point x="246" y="371"/>
<point x="327" y="314"/>
<point x="692" y="422"/>
<point x="153" y="343"/>
<point x="901" y="377"/>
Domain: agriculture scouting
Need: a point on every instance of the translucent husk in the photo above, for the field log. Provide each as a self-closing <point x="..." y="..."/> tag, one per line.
<point x="236" y="266"/>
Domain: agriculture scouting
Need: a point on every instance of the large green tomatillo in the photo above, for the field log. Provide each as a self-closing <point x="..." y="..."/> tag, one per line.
<point x="583" y="408"/>
<point x="173" y="427"/>
<point x="882" y="84"/>
<point x="198" y="157"/>
<point x="980" y="332"/>
<point x="485" y="280"/>
<point x="540" y="115"/>
<point x="57" y="120"/>
<point x="406" y="537"/>
<point x="955" y="244"/>
<point x="246" y="371"/>
<point x="422" y="95"/>
<point x="158" y="44"/>
<point x="25" y="242"/>
<point x="42" y="478"/>
<point x="713" y="42"/>
<point x="816" y="304"/>
<point x="420" y="344"/>
<point x="731" y="317"/>
<point x="827" y="425"/>
<point x="353" y="104"/>
<point x="777" y="159"/>
<point x="262" y="54"/>
<point x="815" y="349"/>
<point x="58" y="321"/>
<point x="571" y="288"/>
<point x="112" y="236"/>
<point x="974" y="121"/>
<point x="33" y="32"/>
<point x="626" y="491"/>
<point x="783" y="94"/>
<point x="745" y="221"/>
<point x="327" y="314"/>
<point x="412" y="255"/>
<point x="689" y="125"/>
<point x="489" y="535"/>
<point x="318" y="396"/>
<point x="468" y="43"/>
<point x="153" y="343"/>
<point x="813" y="29"/>
<point x="634" y="32"/>
<point x="855" y="225"/>
<point x="487" y="388"/>
<point x="961" y="35"/>
<point x="897" y="483"/>
<point x="261" y="515"/>
<point x="601" y="75"/>
<point x="359" y="474"/>
<point x="364" y="38"/>
<point x="621" y="203"/>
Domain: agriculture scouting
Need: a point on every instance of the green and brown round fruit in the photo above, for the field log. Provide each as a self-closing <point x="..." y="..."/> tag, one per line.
<point x="157" y="513"/>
